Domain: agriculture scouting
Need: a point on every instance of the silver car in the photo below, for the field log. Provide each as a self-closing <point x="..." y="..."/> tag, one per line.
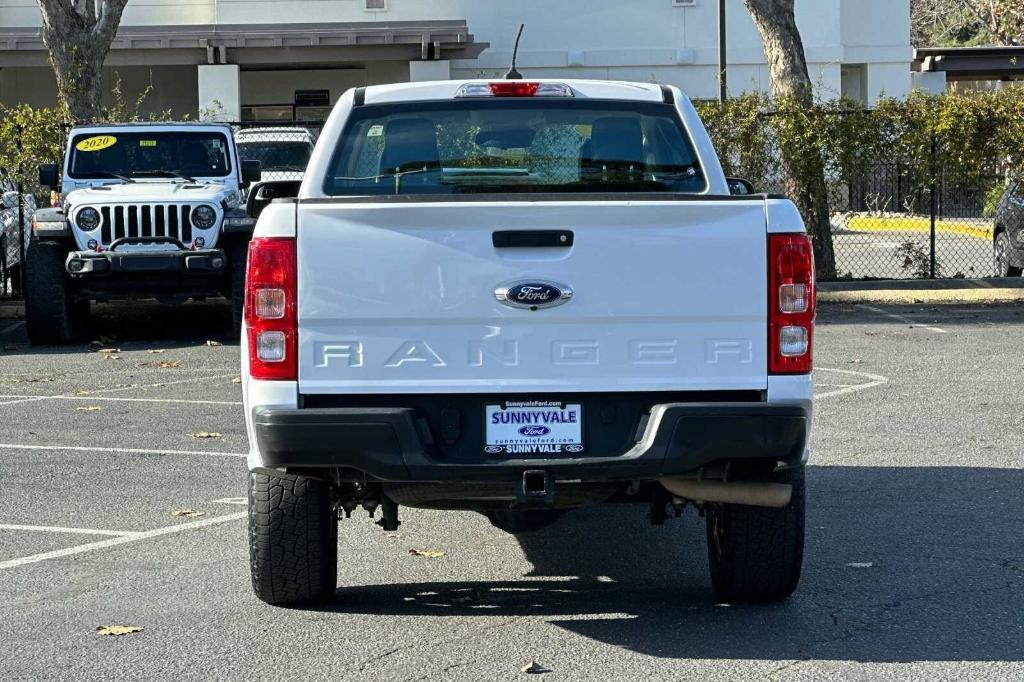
<point x="10" y="234"/>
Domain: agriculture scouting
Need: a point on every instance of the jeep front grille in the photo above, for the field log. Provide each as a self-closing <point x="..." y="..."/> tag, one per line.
<point x="146" y="220"/>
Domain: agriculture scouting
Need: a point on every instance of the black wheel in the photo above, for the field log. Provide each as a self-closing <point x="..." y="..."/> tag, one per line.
<point x="515" y="522"/>
<point x="1002" y="248"/>
<point x="756" y="553"/>
<point x="238" y="256"/>
<point x="52" y="315"/>
<point x="293" y="539"/>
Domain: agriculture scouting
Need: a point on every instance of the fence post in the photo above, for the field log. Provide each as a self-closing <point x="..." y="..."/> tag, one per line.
<point x="933" y="209"/>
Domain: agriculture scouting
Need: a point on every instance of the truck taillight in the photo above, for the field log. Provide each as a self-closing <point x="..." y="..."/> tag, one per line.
<point x="270" y="308"/>
<point x="790" y="304"/>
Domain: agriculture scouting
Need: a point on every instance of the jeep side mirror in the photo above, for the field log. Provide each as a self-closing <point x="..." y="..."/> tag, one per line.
<point x="252" y="171"/>
<point x="49" y="175"/>
<point x="263" y="194"/>
<point x="740" y="187"/>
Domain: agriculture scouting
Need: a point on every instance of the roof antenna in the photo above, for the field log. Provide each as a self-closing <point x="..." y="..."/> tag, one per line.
<point x="512" y="74"/>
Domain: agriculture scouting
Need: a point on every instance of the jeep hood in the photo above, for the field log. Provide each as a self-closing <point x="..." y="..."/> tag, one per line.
<point x="146" y="191"/>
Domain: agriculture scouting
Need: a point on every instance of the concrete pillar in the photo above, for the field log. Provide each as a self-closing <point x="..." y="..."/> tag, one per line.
<point x="220" y="92"/>
<point x="433" y="70"/>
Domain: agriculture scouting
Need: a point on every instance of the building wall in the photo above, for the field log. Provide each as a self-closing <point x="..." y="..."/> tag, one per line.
<point x="645" y="40"/>
<point x="174" y="87"/>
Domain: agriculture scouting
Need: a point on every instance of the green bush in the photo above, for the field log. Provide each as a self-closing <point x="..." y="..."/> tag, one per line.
<point x="966" y="137"/>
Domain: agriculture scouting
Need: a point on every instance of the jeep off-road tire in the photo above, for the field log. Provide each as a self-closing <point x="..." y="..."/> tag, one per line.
<point x="756" y="553"/>
<point x="238" y="256"/>
<point x="293" y="539"/>
<point x="52" y="315"/>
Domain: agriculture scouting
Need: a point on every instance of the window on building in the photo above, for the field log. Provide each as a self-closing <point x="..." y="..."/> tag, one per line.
<point x="375" y="5"/>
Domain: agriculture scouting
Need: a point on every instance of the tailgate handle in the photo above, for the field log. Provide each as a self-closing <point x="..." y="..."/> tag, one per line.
<point x="532" y="239"/>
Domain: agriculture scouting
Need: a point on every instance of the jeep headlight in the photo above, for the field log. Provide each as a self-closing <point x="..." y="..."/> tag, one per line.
<point x="204" y="217"/>
<point x="88" y="219"/>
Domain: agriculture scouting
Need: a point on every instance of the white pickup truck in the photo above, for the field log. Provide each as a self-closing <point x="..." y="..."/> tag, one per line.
<point x="520" y="298"/>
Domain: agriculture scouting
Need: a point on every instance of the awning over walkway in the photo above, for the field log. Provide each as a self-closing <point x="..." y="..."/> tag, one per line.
<point x="972" y="63"/>
<point x="261" y="45"/>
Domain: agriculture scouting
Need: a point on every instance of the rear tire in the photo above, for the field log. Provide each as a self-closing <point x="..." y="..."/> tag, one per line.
<point x="293" y="539"/>
<point x="756" y="553"/>
<point x="238" y="256"/>
<point x="52" y="316"/>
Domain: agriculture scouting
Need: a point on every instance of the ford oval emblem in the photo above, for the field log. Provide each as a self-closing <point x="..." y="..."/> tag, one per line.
<point x="534" y="431"/>
<point x="533" y="294"/>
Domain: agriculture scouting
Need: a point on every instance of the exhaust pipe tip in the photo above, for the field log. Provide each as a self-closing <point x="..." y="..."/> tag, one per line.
<point x="750" y="493"/>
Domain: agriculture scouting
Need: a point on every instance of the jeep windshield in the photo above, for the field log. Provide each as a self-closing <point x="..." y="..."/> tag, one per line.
<point x="514" y="145"/>
<point x="277" y="156"/>
<point x="147" y="154"/>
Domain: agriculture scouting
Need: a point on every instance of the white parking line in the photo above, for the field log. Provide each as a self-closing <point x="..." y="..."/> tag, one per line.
<point x="873" y="380"/>
<point x="63" y="396"/>
<point x="127" y="451"/>
<point x="62" y="529"/>
<point x="232" y="501"/>
<point x="902" y="318"/>
<point x="122" y="540"/>
<point x="90" y="398"/>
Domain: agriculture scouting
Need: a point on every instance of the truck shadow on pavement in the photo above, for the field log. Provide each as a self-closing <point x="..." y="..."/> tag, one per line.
<point x="902" y="564"/>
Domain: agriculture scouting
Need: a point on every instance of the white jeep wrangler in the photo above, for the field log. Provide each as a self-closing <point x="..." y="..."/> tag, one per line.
<point x="519" y="298"/>
<point x="147" y="210"/>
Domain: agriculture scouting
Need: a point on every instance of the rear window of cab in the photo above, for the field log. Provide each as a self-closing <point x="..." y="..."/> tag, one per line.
<point x="505" y="145"/>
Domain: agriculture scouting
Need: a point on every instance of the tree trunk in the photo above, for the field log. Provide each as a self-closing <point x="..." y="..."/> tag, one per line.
<point x="793" y="93"/>
<point x="78" y="34"/>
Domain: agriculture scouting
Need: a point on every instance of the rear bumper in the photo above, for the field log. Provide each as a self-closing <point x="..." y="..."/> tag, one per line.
<point x="392" y="444"/>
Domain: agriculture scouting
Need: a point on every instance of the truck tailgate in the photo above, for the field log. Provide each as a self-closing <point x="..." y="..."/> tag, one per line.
<point x="399" y="297"/>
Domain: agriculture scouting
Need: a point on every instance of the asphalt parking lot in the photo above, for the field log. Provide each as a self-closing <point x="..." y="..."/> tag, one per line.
<point x="914" y="566"/>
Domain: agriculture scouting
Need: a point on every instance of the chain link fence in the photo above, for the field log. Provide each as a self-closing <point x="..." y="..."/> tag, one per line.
<point x="897" y="218"/>
<point x="891" y="218"/>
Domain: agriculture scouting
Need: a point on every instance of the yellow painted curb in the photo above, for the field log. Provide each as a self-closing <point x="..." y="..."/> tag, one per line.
<point x="862" y="223"/>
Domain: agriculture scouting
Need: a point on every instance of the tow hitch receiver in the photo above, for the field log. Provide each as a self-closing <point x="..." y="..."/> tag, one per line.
<point x="535" y="487"/>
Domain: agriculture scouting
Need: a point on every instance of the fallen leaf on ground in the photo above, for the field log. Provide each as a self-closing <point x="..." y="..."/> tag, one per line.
<point x="427" y="553"/>
<point x="111" y="357"/>
<point x="155" y="351"/>
<point x="89" y="408"/>
<point x="169" y="364"/>
<point x="187" y="513"/>
<point x="535" y="668"/>
<point x="38" y="380"/>
<point x="117" y="630"/>
<point x="207" y="434"/>
<point x="236" y="380"/>
<point x="393" y="536"/>
<point x="214" y="343"/>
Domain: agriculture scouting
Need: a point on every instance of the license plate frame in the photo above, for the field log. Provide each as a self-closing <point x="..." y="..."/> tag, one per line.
<point x="563" y="421"/>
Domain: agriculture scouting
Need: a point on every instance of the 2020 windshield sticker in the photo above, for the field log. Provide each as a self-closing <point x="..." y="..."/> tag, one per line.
<point x="95" y="144"/>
